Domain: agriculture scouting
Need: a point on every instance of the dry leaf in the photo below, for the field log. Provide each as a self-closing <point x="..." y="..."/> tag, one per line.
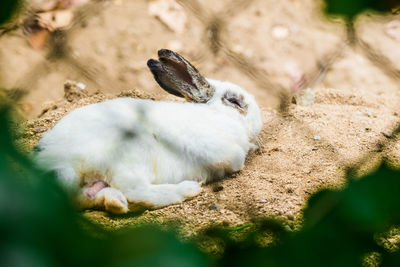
<point x="170" y="13"/>
<point x="54" y="20"/>
<point x="26" y="107"/>
<point x="393" y="29"/>
<point x="38" y="39"/>
<point x="296" y="75"/>
<point x="50" y="16"/>
<point x="280" y="32"/>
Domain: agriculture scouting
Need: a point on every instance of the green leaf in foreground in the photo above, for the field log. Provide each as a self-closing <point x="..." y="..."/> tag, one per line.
<point x="239" y="227"/>
<point x="339" y="227"/>
<point x="7" y="9"/>
<point x="350" y="9"/>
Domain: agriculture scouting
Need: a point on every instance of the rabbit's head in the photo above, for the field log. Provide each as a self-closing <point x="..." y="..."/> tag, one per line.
<point x="177" y="76"/>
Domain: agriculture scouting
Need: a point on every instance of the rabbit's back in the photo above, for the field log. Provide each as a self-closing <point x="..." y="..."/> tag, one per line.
<point x="91" y="133"/>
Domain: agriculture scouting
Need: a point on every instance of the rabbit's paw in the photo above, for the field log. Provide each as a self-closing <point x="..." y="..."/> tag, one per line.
<point x="112" y="200"/>
<point x="160" y="195"/>
<point x="189" y="188"/>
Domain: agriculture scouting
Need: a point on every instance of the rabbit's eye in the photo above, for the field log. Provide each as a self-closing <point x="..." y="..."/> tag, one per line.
<point x="235" y="101"/>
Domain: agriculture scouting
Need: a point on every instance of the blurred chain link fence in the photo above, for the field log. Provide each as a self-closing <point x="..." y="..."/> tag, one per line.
<point x="216" y="42"/>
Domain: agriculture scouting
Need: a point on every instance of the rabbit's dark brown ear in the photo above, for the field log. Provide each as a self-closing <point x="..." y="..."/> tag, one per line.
<point x="178" y="77"/>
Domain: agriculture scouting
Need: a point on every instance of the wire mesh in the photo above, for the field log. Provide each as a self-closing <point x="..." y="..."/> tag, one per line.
<point x="215" y="42"/>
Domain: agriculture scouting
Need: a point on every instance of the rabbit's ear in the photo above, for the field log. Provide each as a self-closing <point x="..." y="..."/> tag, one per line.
<point x="178" y="77"/>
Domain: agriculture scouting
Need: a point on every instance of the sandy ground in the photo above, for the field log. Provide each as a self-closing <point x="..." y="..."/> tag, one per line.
<point x="291" y="165"/>
<point x="356" y="104"/>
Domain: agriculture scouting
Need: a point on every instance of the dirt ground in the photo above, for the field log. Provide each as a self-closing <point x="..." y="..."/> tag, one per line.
<point x="308" y="148"/>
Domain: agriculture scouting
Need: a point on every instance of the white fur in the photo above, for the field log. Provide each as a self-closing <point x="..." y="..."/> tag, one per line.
<point x="155" y="153"/>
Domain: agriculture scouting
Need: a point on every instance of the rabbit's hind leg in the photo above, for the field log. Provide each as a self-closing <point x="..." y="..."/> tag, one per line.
<point x="67" y="176"/>
<point x="160" y="195"/>
<point x="96" y="195"/>
<point x="111" y="200"/>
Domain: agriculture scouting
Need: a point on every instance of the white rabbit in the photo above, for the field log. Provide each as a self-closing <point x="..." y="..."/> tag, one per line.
<point x="124" y="153"/>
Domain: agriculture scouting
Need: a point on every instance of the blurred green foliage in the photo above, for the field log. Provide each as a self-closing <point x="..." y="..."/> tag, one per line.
<point x="339" y="227"/>
<point x="351" y="8"/>
<point x="7" y="9"/>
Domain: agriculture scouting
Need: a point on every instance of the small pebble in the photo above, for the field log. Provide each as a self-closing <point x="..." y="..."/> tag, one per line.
<point x="305" y="97"/>
<point x="258" y="13"/>
<point x="101" y="49"/>
<point x="248" y="52"/>
<point x="317" y="137"/>
<point x="218" y="188"/>
<point x="81" y="85"/>
<point x="294" y="29"/>
<point x="214" y="206"/>
<point x="280" y="32"/>
<point x="263" y="201"/>
<point x="40" y="130"/>
<point x="237" y="49"/>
